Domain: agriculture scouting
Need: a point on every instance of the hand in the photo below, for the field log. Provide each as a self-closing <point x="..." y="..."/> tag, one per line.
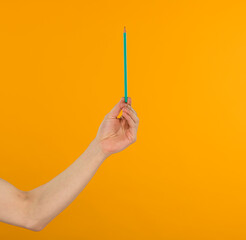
<point x="116" y="134"/>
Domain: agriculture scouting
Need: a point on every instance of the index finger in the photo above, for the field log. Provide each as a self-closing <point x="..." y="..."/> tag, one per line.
<point x="129" y="101"/>
<point x="117" y="109"/>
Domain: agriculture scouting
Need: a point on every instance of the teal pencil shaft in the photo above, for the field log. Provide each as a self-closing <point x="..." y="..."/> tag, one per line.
<point x="125" y="66"/>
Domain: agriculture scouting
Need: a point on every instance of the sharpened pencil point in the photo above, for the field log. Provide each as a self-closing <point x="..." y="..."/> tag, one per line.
<point x="124" y="29"/>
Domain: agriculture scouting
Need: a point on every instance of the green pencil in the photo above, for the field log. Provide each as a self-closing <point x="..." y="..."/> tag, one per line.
<point x="125" y="66"/>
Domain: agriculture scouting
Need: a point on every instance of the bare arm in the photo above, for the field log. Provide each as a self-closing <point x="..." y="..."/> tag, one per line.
<point x="36" y="208"/>
<point x="13" y="205"/>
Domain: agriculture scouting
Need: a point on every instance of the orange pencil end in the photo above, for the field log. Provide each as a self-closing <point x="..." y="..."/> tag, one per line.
<point x="124" y="29"/>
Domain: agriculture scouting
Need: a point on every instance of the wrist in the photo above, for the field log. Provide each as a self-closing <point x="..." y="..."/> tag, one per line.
<point x="96" y="148"/>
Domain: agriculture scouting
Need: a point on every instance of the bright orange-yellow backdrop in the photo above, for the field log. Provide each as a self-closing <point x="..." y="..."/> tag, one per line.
<point x="61" y="71"/>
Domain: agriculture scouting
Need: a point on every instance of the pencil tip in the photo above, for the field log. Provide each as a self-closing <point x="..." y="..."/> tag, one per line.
<point x="124" y="29"/>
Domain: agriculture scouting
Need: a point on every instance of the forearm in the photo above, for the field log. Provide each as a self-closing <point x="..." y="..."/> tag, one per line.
<point x="48" y="200"/>
<point x="36" y="208"/>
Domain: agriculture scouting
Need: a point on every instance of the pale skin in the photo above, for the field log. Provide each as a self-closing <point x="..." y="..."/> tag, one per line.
<point x="34" y="209"/>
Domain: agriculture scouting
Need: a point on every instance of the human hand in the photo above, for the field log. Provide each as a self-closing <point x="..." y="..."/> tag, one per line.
<point x="116" y="134"/>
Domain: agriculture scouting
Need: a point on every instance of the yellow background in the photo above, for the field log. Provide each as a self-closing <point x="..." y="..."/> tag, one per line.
<point x="61" y="71"/>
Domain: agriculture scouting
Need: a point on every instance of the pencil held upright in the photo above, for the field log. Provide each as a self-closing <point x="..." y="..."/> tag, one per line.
<point x="125" y="64"/>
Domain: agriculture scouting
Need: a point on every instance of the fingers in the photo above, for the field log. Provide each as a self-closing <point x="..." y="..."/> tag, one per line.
<point x="131" y="109"/>
<point x="129" y="100"/>
<point x="128" y="109"/>
<point x="128" y="119"/>
<point x="132" y="114"/>
<point x="117" y="108"/>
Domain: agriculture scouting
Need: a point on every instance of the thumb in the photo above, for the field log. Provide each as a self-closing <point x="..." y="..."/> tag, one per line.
<point x="117" y="108"/>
